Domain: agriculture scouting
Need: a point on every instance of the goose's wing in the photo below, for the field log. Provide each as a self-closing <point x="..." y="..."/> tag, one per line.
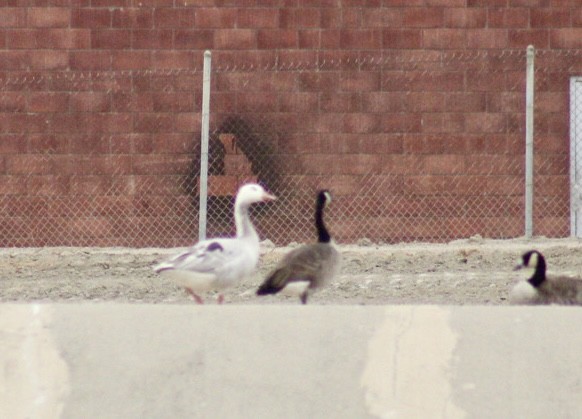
<point x="562" y="290"/>
<point x="309" y="263"/>
<point x="207" y="256"/>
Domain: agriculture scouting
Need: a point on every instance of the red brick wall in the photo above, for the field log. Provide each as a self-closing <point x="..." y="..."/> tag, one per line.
<point x="100" y="102"/>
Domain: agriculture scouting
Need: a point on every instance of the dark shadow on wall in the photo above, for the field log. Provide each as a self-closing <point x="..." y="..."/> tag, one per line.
<point x="258" y="144"/>
<point x="215" y="163"/>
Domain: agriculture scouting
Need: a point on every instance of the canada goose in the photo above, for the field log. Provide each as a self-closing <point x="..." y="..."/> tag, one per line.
<point x="544" y="289"/>
<point x="309" y="267"/>
<point x="215" y="264"/>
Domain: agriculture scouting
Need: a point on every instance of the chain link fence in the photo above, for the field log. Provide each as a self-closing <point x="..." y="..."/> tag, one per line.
<point x="552" y="115"/>
<point x="414" y="146"/>
<point x="99" y="158"/>
<point x="455" y="176"/>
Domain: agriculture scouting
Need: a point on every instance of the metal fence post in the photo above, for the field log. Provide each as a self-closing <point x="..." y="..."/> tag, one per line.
<point x="529" y="135"/>
<point x="204" y="146"/>
<point x="575" y="156"/>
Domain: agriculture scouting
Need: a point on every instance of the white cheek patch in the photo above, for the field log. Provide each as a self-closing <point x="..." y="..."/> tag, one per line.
<point x="527" y="272"/>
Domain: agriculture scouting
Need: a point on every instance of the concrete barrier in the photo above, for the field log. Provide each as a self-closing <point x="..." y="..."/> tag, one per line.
<point x="288" y="361"/>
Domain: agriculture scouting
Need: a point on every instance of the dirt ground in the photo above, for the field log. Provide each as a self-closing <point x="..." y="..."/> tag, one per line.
<point x="472" y="271"/>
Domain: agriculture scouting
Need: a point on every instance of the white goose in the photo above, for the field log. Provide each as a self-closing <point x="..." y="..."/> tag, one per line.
<point x="215" y="264"/>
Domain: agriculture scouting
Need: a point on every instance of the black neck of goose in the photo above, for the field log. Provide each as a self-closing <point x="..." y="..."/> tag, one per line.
<point x="539" y="275"/>
<point x="322" y="233"/>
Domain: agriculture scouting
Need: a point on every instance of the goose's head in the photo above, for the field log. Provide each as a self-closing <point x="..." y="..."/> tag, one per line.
<point x="251" y="193"/>
<point x="533" y="265"/>
<point x="323" y="198"/>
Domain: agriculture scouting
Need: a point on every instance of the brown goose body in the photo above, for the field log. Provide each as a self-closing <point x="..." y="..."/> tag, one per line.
<point x="309" y="267"/>
<point x="542" y="288"/>
<point x="303" y="270"/>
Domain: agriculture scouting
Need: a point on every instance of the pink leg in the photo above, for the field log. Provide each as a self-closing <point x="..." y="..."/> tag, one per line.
<point x="220" y="299"/>
<point x="195" y="296"/>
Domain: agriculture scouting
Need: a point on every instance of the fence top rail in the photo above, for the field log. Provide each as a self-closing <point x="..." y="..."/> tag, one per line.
<point x="403" y="60"/>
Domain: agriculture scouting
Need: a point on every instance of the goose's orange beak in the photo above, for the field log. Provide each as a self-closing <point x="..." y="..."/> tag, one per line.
<point x="268" y="197"/>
